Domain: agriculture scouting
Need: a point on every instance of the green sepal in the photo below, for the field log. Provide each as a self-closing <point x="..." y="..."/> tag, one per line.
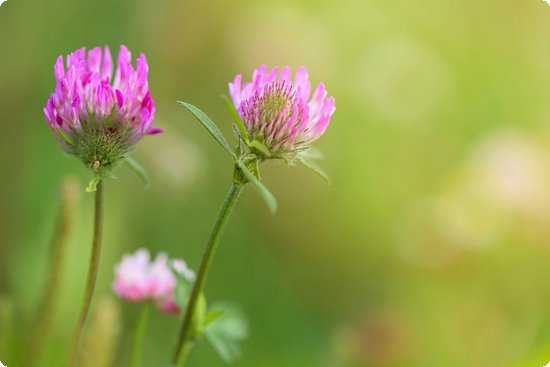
<point x="139" y="170"/>
<point x="311" y="153"/>
<point x="259" y="146"/>
<point x="312" y="165"/>
<point x="66" y="138"/>
<point x="92" y="185"/>
<point x="243" y="132"/>
<point x="209" y="125"/>
<point x="228" y="330"/>
<point x="264" y="192"/>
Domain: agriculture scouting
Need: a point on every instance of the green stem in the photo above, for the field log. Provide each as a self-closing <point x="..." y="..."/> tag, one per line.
<point x="185" y="331"/>
<point x="46" y="309"/>
<point x="92" y="274"/>
<point x="139" y="334"/>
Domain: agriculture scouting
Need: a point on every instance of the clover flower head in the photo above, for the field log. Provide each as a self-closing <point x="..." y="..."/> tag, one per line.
<point x="278" y="111"/>
<point x="138" y="278"/>
<point x="94" y="117"/>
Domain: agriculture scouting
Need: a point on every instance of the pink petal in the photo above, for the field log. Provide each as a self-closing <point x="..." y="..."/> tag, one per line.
<point x="94" y="59"/>
<point x="301" y="83"/>
<point x="235" y="90"/>
<point x="59" y="68"/>
<point x="107" y="64"/>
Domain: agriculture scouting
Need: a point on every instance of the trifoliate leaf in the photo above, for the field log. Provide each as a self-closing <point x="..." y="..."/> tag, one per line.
<point x="209" y="125"/>
<point x="264" y="192"/>
<point x="237" y="119"/>
<point x="227" y="331"/>
<point x="139" y="170"/>
<point x="212" y="316"/>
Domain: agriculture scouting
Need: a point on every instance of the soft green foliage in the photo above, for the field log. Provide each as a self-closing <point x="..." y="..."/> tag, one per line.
<point x="212" y="316"/>
<point x="227" y="330"/>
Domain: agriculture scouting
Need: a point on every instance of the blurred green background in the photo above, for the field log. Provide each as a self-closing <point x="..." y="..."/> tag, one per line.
<point x="429" y="248"/>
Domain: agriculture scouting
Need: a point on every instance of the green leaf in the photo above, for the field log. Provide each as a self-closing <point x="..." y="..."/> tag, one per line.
<point x="237" y="119"/>
<point x="227" y="331"/>
<point x="92" y="185"/>
<point x="139" y="170"/>
<point x="212" y="316"/>
<point x="264" y="192"/>
<point x="311" y="153"/>
<point x="209" y="125"/>
<point x="312" y="165"/>
<point x="260" y="147"/>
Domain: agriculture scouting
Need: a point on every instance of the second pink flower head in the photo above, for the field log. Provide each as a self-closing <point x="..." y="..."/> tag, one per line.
<point x="140" y="278"/>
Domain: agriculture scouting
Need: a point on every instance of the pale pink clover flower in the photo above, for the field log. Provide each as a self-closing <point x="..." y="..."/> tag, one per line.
<point x="137" y="278"/>
<point x="279" y="111"/>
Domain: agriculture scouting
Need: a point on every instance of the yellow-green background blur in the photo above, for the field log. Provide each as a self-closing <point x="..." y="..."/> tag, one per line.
<point x="430" y="247"/>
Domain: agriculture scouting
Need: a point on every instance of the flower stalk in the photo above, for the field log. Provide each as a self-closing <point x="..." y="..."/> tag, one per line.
<point x="186" y="335"/>
<point x="274" y="118"/>
<point x="139" y="334"/>
<point x="92" y="273"/>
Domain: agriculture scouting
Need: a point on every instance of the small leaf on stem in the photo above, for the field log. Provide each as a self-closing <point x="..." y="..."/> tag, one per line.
<point x="209" y="125"/>
<point x="264" y="192"/>
<point x="92" y="185"/>
<point x="227" y="331"/>
<point x="139" y="170"/>
<point x="212" y="316"/>
<point x="312" y="165"/>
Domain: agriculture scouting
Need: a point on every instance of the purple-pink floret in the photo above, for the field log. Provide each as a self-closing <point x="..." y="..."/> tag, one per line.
<point x="85" y="94"/>
<point x="278" y="111"/>
<point x="138" y="278"/>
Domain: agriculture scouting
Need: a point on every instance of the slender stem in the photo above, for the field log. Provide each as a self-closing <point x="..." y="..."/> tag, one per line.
<point x="208" y="255"/>
<point x="46" y="309"/>
<point x="92" y="274"/>
<point x="139" y="334"/>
